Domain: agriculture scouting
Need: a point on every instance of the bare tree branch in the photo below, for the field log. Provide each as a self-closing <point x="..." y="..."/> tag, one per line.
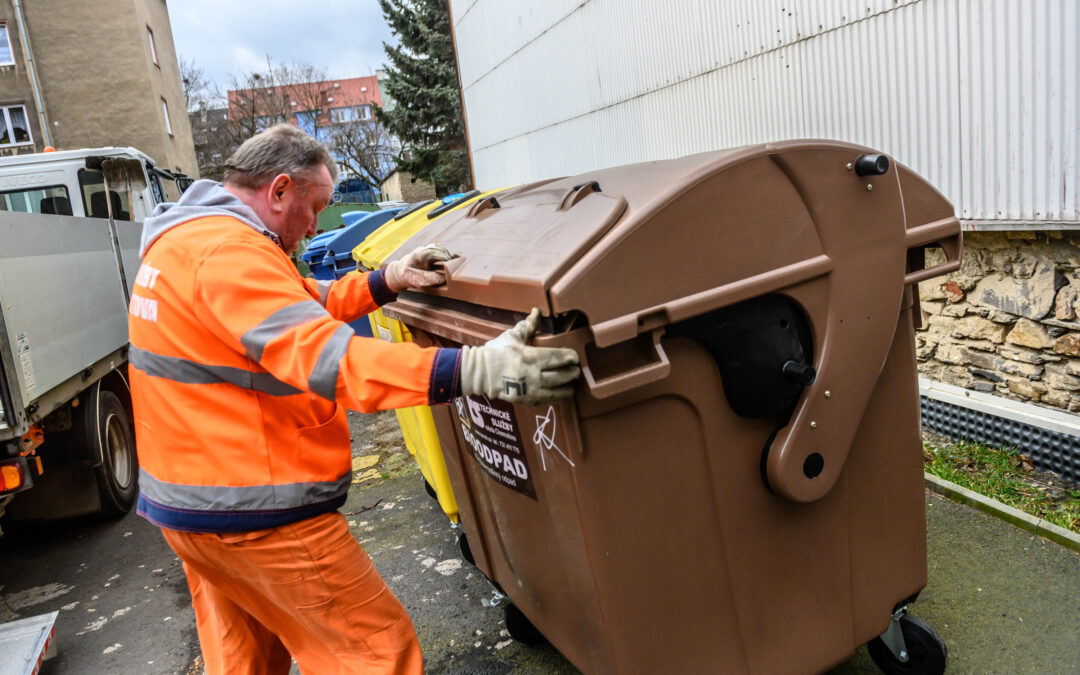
<point x="281" y="93"/>
<point x="365" y="149"/>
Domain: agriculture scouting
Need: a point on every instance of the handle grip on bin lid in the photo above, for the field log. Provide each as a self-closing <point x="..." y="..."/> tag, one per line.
<point x="577" y="193"/>
<point x="447" y="267"/>
<point x="630" y="379"/>
<point x="489" y="202"/>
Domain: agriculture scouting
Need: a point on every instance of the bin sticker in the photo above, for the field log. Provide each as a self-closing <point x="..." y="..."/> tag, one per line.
<point x="544" y="438"/>
<point x="22" y="343"/>
<point x="384" y="333"/>
<point x="491" y="432"/>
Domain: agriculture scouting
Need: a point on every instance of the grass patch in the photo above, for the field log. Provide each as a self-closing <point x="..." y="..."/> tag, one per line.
<point x="330" y="217"/>
<point x="1006" y="475"/>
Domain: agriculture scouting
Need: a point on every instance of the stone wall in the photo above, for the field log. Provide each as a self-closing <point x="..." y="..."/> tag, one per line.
<point x="1008" y="322"/>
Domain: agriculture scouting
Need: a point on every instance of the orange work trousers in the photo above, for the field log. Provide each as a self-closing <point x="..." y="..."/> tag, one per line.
<point x="305" y="591"/>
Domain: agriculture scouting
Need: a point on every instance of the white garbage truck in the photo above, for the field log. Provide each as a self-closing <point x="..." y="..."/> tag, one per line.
<point x="70" y="224"/>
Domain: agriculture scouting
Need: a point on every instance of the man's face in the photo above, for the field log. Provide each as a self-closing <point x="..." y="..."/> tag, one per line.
<point x="301" y="201"/>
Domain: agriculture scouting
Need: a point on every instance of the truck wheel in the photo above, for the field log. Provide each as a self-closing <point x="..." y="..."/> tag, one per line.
<point x="927" y="653"/>
<point x="520" y="628"/>
<point x="110" y="438"/>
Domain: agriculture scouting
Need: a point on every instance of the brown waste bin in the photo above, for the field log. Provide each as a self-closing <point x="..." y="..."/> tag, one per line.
<point x="737" y="485"/>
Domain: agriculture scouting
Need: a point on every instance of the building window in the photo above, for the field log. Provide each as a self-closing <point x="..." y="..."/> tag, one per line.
<point x="14" y="127"/>
<point x="165" y="110"/>
<point x="153" y="47"/>
<point x="356" y="113"/>
<point x="7" y="56"/>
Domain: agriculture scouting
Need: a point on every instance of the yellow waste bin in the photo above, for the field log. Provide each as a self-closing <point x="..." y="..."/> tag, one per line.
<point x="417" y="424"/>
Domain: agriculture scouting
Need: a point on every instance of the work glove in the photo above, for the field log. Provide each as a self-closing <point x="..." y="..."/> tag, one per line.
<point x="508" y="369"/>
<point x="416" y="269"/>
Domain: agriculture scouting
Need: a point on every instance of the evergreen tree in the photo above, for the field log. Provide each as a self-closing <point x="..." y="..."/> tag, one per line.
<point x="421" y="80"/>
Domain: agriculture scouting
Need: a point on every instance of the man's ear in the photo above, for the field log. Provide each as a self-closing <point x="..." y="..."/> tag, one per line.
<point x="279" y="188"/>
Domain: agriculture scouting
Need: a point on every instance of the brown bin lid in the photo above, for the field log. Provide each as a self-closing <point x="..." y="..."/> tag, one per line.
<point x="633" y="247"/>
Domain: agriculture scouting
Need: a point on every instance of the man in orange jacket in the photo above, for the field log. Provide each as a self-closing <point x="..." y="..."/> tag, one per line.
<point x="241" y="372"/>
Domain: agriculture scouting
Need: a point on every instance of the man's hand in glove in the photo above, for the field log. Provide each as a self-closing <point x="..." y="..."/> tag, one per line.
<point x="508" y="369"/>
<point x="416" y="269"/>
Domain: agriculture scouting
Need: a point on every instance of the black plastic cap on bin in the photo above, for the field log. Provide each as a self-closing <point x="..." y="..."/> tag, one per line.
<point x="872" y="165"/>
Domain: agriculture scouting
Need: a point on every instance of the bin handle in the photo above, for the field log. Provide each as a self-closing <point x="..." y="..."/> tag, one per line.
<point x="484" y="204"/>
<point x="631" y="379"/>
<point x="946" y="234"/>
<point x="577" y="193"/>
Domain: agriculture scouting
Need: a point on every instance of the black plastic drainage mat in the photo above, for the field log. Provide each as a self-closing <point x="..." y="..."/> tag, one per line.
<point x="1047" y="450"/>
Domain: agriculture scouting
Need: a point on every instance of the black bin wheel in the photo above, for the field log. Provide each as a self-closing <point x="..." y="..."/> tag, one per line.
<point x="466" y="550"/>
<point x="430" y="490"/>
<point x="927" y="653"/>
<point x="520" y="628"/>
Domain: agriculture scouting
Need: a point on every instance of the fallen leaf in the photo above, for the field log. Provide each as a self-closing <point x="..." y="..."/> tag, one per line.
<point x="370" y="474"/>
<point x="367" y="461"/>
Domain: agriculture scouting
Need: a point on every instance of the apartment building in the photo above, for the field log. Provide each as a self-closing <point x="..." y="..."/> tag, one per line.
<point x="77" y="74"/>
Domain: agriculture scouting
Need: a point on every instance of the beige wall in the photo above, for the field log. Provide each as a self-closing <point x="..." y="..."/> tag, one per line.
<point x="99" y="83"/>
<point x="165" y="82"/>
<point x="402" y="186"/>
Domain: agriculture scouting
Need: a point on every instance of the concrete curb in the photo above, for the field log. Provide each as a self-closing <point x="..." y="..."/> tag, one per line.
<point x="1005" y="512"/>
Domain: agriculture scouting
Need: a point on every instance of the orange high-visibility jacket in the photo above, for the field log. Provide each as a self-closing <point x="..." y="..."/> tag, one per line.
<point x="241" y="371"/>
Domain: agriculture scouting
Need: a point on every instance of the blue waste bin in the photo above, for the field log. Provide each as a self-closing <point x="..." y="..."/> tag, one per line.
<point x="337" y="253"/>
<point x="329" y="255"/>
<point x="350" y="217"/>
<point x="315" y="254"/>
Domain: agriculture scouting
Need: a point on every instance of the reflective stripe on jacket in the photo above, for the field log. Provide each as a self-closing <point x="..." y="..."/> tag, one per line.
<point x="241" y="372"/>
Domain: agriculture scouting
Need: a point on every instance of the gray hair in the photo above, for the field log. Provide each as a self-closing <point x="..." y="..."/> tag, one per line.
<point x="280" y="149"/>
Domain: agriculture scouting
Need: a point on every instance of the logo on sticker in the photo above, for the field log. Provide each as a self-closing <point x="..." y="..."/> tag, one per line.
<point x="490" y="431"/>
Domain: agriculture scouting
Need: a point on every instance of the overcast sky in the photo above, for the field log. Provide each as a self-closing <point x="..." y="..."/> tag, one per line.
<point x="344" y="37"/>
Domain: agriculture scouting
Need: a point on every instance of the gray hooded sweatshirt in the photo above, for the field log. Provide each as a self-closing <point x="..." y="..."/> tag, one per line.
<point x="203" y="198"/>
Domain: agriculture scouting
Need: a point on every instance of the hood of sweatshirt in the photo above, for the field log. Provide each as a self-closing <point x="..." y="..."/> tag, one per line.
<point x="203" y="198"/>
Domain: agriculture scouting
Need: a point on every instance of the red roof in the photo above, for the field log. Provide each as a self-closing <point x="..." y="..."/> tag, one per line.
<point x="343" y="93"/>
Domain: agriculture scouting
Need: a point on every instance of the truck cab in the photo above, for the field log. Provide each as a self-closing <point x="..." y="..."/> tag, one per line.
<point x="70" y="225"/>
<point x="60" y="183"/>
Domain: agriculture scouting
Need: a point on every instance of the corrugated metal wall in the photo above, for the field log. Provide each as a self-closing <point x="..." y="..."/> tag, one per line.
<point x="979" y="96"/>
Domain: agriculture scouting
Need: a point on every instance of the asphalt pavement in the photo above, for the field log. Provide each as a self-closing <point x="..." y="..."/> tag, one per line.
<point x="1005" y="601"/>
